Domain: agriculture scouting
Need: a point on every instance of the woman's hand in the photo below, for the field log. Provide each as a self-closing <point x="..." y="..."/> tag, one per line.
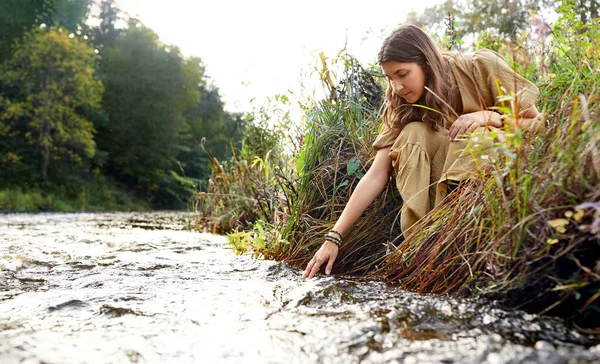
<point x="327" y="253"/>
<point x="467" y="123"/>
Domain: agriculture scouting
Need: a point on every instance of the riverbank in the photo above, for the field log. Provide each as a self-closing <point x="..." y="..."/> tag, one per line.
<point x="85" y="199"/>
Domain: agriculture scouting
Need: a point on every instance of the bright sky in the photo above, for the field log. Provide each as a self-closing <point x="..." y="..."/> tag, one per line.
<point x="257" y="48"/>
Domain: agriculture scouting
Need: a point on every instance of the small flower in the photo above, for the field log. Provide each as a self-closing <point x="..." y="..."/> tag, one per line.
<point x="559" y="225"/>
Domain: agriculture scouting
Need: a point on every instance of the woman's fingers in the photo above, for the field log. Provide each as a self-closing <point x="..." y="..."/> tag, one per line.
<point x="455" y="128"/>
<point x="326" y="254"/>
<point x="472" y="127"/>
<point x="316" y="267"/>
<point x="462" y="125"/>
<point x="309" y="267"/>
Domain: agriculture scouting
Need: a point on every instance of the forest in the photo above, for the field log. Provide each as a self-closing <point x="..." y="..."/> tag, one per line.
<point x="102" y="116"/>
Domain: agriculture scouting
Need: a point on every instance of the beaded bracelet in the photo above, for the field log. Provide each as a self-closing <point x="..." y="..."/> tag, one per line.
<point x="336" y="232"/>
<point x="333" y="239"/>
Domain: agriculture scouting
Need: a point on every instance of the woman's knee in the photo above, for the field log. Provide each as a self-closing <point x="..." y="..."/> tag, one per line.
<point x="414" y="132"/>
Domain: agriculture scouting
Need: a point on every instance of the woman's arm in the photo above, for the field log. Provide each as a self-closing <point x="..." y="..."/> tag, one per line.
<point x="369" y="187"/>
<point x="467" y="123"/>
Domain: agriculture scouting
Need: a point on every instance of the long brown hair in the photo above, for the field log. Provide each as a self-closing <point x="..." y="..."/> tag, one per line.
<point x="408" y="43"/>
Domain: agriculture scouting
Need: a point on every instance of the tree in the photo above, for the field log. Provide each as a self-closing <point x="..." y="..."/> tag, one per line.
<point x="587" y="9"/>
<point x="69" y="14"/>
<point x="54" y="75"/>
<point x="502" y="18"/>
<point x="435" y="17"/>
<point x="17" y="16"/>
<point x="106" y="34"/>
<point x="149" y="86"/>
<point x="506" y="17"/>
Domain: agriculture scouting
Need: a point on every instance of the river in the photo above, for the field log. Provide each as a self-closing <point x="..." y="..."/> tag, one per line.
<point x="141" y="288"/>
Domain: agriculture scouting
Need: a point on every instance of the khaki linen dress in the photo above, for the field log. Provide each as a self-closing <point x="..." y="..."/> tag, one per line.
<point x="425" y="159"/>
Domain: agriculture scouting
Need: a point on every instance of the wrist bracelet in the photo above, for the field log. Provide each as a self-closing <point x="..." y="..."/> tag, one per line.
<point x="334" y="239"/>
<point x="336" y="232"/>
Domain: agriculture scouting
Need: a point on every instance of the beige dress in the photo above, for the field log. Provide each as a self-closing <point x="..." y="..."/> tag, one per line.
<point x="425" y="159"/>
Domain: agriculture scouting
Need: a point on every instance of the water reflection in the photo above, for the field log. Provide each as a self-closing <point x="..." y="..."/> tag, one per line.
<point x="131" y="287"/>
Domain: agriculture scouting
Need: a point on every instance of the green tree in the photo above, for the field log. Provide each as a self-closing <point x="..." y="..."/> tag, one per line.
<point x="208" y="120"/>
<point x="69" y="14"/>
<point x="18" y="16"/>
<point x="586" y="9"/>
<point x="54" y="75"/>
<point x="435" y="17"/>
<point x="106" y="34"/>
<point x="149" y="86"/>
<point x="500" y="18"/>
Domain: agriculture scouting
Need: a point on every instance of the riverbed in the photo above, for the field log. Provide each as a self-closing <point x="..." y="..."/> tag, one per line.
<point x="142" y="288"/>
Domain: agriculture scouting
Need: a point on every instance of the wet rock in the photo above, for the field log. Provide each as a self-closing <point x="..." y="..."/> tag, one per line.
<point x="118" y="311"/>
<point x="72" y="304"/>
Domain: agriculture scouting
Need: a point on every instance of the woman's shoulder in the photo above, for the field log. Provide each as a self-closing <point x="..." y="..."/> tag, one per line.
<point x="482" y="63"/>
<point x="479" y="56"/>
<point x="488" y="57"/>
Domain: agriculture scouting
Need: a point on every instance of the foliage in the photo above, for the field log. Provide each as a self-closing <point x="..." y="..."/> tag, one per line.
<point x="18" y="16"/>
<point x="258" y="241"/>
<point x="99" y="195"/>
<point x="69" y="14"/>
<point x="143" y="140"/>
<point x="149" y="87"/>
<point x="256" y="182"/>
<point x="54" y="76"/>
<point x="208" y="126"/>
<point x="106" y="34"/>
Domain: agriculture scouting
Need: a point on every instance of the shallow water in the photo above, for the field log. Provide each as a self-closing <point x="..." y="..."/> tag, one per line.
<point x="139" y="288"/>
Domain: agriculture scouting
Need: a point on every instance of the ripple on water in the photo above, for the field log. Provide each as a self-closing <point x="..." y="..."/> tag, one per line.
<point x="138" y="287"/>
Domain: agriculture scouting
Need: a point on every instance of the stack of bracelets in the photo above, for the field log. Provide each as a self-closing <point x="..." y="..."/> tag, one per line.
<point x="334" y="239"/>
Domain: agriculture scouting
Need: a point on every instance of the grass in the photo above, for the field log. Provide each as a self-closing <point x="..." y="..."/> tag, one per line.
<point x="87" y="198"/>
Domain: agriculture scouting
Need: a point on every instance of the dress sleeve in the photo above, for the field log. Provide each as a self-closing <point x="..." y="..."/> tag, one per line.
<point x="492" y="72"/>
<point x="386" y="138"/>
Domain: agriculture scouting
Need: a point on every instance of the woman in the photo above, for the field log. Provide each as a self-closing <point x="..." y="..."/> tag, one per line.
<point x="433" y="100"/>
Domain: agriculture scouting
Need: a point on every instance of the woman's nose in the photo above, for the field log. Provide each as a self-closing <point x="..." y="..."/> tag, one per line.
<point x="397" y="87"/>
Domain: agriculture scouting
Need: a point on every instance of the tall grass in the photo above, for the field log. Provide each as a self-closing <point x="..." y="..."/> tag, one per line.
<point x="255" y="187"/>
<point x="335" y="155"/>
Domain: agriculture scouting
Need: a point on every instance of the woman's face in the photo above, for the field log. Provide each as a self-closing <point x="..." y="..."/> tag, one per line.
<point x="407" y="80"/>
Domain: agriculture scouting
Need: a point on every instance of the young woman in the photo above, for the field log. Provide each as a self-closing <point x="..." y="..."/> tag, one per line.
<point x="432" y="101"/>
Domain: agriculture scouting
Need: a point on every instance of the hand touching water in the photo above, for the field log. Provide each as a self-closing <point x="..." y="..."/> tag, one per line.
<point x="326" y="254"/>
